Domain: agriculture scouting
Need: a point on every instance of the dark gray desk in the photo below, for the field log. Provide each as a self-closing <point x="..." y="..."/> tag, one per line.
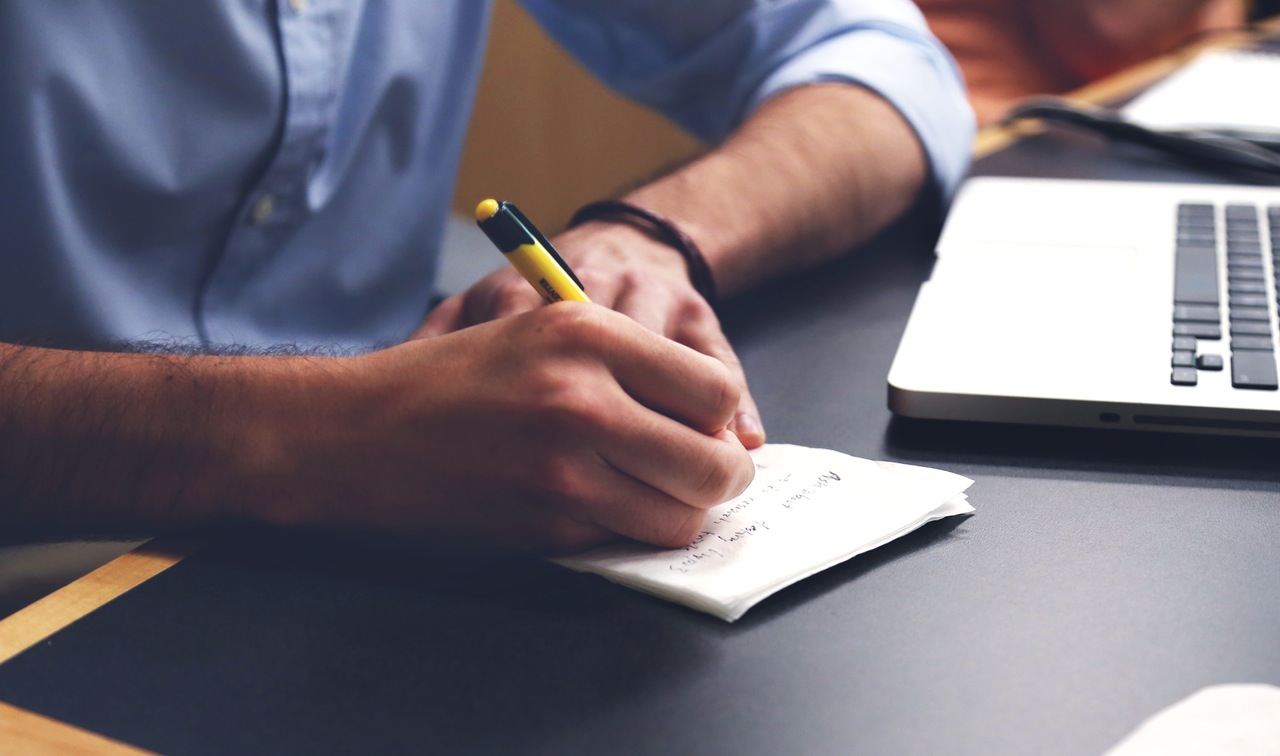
<point x="1102" y="578"/>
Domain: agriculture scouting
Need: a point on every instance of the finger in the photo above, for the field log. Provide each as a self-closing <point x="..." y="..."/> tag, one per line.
<point x="694" y="468"/>
<point x="510" y="295"/>
<point x="657" y="372"/>
<point x="701" y="331"/>
<point x="705" y="335"/>
<point x="635" y="509"/>
<point x="445" y="318"/>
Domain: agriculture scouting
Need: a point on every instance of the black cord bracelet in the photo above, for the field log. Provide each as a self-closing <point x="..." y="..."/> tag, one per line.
<point x="660" y="228"/>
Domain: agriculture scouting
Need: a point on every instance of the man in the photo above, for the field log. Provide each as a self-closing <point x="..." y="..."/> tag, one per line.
<point x="214" y="173"/>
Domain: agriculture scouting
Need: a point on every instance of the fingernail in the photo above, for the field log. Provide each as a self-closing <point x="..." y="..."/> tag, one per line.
<point x="747" y="426"/>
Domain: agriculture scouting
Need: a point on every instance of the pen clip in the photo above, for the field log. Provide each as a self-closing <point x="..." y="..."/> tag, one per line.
<point x="546" y="243"/>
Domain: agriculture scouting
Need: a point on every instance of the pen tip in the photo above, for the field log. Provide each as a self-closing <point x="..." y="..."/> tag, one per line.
<point x="486" y="210"/>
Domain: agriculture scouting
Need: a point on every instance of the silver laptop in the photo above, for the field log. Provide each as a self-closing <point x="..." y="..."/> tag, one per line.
<point x="1143" y="306"/>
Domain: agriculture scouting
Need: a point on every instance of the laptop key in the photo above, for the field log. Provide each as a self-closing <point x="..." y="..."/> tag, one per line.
<point x="1199" y="330"/>
<point x="1246" y="328"/>
<point x="1184" y="359"/>
<point x="1184" y="344"/>
<point x="1250" y="313"/>
<point x="1197" y="235"/>
<point x="1236" y="300"/>
<point x="1196" y="277"/>
<point x="1200" y="226"/>
<point x="1237" y="211"/>
<point x="1247" y="287"/>
<point x="1183" y="376"/>
<point x="1196" y="313"/>
<point x="1257" y="343"/>
<point x="1237" y="273"/>
<point x="1254" y="370"/>
<point x="1209" y="362"/>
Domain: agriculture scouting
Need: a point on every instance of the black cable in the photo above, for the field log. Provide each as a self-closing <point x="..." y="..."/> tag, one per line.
<point x="1214" y="149"/>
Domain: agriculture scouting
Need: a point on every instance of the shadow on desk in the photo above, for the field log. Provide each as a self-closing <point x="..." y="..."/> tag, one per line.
<point x="523" y="583"/>
<point x="356" y="645"/>
<point x="284" y="625"/>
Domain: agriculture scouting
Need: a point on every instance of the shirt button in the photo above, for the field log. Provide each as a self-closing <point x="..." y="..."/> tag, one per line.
<point x="298" y="5"/>
<point x="262" y="209"/>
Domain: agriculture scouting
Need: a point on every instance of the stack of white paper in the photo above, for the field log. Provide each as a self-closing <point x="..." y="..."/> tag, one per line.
<point x="806" y="510"/>
<point x="1220" y="720"/>
<point x="1221" y="90"/>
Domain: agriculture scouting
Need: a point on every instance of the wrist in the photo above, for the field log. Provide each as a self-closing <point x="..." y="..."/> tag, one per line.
<point x="288" y="449"/>
<point x="237" y="433"/>
<point x="658" y="228"/>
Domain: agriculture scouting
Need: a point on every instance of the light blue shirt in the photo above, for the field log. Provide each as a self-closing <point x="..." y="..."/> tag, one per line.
<point x="256" y="172"/>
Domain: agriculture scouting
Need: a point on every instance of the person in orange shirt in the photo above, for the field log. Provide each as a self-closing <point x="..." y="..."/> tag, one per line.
<point x="1013" y="49"/>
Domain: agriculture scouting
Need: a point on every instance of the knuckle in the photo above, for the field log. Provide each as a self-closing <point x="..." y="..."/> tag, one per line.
<point x="594" y="279"/>
<point x="719" y="482"/>
<point x="572" y="314"/>
<point x="564" y="537"/>
<point x="746" y="474"/>
<point x="725" y="388"/>
<point x="590" y="325"/>
<point x="510" y="289"/>
<point x="685" y="529"/>
<point x="638" y="281"/>
<point x="694" y="308"/>
<point x="511" y="296"/>
<point x="575" y="324"/>
<point x="575" y="410"/>
<point x="560" y="479"/>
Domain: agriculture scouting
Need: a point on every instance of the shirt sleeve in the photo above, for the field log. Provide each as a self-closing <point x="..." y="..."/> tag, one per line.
<point x="709" y="63"/>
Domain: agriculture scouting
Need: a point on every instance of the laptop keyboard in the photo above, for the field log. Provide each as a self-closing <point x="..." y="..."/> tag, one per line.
<point x="1242" y="231"/>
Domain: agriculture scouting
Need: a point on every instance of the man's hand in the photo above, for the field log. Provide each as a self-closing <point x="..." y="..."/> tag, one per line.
<point x="841" y="163"/>
<point x="547" y="431"/>
<point x="625" y="270"/>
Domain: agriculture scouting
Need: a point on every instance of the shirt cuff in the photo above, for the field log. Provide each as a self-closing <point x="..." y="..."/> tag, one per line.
<point x="915" y="75"/>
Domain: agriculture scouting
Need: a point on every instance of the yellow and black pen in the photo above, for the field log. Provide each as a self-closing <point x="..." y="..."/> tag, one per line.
<point x="529" y="252"/>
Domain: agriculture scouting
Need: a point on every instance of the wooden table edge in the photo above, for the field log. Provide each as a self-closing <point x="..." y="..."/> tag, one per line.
<point x="24" y="732"/>
<point x="36" y="622"/>
<point x="30" y="733"/>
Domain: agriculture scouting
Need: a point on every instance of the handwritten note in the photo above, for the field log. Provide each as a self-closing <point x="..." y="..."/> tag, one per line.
<point x="806" y="510"/>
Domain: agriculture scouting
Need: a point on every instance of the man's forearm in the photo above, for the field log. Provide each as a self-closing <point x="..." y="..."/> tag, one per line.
<point x="614" y="430"/>
<point x="100" y="442"/>
<point x="811" y="174"/>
